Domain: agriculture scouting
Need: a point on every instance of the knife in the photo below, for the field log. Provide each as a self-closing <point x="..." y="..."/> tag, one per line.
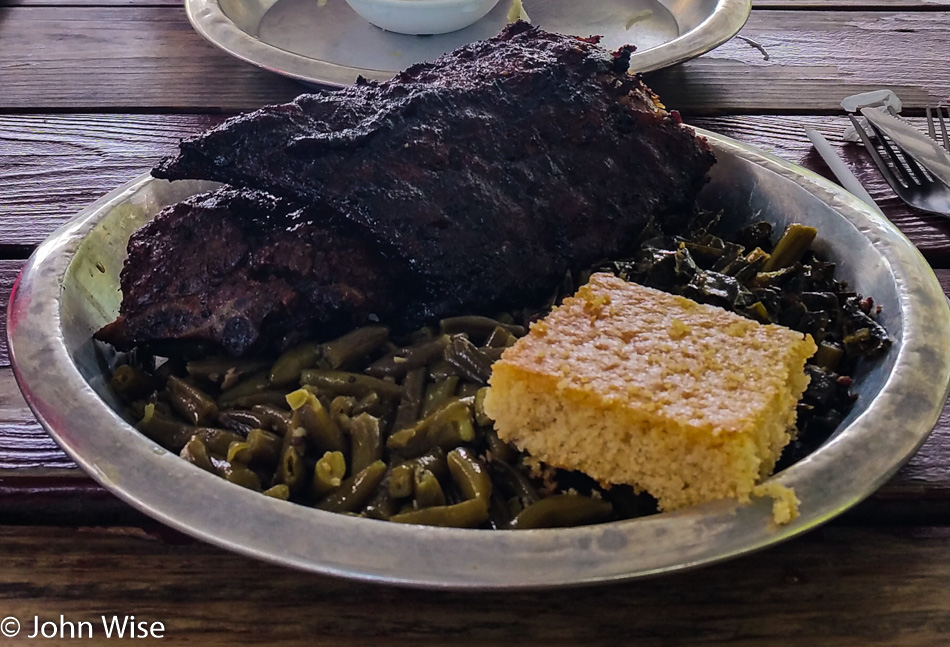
<point x="926" y="151"/>
<point x="839" y="168"/>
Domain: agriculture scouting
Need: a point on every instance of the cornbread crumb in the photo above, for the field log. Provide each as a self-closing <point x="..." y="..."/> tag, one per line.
<point x="686" y="401"/>
<point x="784" y="502"/>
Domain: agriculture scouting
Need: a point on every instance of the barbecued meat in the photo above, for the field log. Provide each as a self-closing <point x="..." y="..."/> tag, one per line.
<point x="477" y="180"/>
<point x="234" y="266"/>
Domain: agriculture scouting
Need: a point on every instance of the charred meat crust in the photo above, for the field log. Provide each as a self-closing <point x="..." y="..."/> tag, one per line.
<point x="476" y="180"/>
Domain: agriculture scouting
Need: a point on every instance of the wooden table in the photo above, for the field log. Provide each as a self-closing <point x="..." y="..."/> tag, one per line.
<point x="92" y="92"/>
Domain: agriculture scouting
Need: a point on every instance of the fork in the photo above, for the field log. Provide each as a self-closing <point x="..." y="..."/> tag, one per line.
<point x="943" y="125"/>
<point x="911" y="183"/>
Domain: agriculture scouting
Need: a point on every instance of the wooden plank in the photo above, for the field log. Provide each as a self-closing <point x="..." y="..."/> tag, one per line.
<point x="9" y="269"/>
<point x="123" y="56"/>
<point x="815" y="58"/>
<point x="149" y="57"/>
<point x="842" y="586"/>
<point x="51" y="166"/>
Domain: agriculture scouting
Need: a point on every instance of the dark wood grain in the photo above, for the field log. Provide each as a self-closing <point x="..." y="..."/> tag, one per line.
<point x="840" y="586"/>
<point x="9" y="269"/>
<point x="93" y="56"/>
<point x="24" y="444"/>
<point x="123" y="56"/>
<point x="51" y="166"/>
<point x="815" y="58"/>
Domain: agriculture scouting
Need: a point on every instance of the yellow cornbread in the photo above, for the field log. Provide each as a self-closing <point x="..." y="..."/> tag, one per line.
<point x="632" y="385"/>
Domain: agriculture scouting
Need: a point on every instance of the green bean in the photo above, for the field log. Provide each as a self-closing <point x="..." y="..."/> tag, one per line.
<point x="498" y="448"/>
<point x="310" y="414"/>
<point x="442" y="370"/>
<point x="279" y="491"/>
<point x="328" y="473"/>
<point x="344" y="383"/>
<point x="240" y="452"/>
<point x="382" y="505"/>
<point x="516" y="482"/>
<point x="354" y="491"/>
<point x="169" y="433"/>
<point x="352" y="346"/>
<point x="413" y="388"/>
<point x="269" y="397"/>
<point x="290" y="469"/>
<point x="401" y="482"/>
<point x="789" y="249"/>
<point x="217" y="440"/>
<point x="264" y="447"/>
<point x="450" y="423"/>
<point x="366" y="442"/>
<point x="467" y="514"/>
<point x="471" y="363"/>
<point x="477" y="327"/>
<point x="286" y="370"/>
<point x="241" y="475"/>
<point x="469" y="474"/>
<point x="437" y="394"/>
<point x="501" y="338"/>
<point x="277" y="420"/>
<point x="248" y="386"/>
<point x="403" y="360"/>
<point x="562" y="510"/>
<point x="196" y="406"/>
<point x="369" y="403"/>
<point x="341" y="411"/>
<point x="427" y="490"/>
<point x="240" y="420"/>
<point x="224" y="370"/>
<point x="131" y="383"/>
<point x="196" y="453"/>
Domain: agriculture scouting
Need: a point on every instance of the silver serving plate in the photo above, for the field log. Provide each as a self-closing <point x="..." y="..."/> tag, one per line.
<point x="68" y="289"/>
<point x="332" y="45"/>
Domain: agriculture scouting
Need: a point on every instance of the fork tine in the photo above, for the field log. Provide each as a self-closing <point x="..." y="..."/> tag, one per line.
<point x="909" y="179"/>
<point x="875" y="156"/>
<point x="931" y="124"/>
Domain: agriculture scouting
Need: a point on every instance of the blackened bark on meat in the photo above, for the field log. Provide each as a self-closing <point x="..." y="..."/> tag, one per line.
<point x="246" y="270"/>
<point x="481" y="177"/>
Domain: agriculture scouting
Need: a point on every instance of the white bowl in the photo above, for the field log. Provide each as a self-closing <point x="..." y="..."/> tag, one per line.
<point x="418" y="17"/>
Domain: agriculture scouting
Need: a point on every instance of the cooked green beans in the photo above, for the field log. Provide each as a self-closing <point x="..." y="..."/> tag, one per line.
<point x="562" y="510"/>
<point x="361" y="424"/>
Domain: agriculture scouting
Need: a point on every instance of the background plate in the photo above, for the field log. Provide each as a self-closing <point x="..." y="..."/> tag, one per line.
<point x="332" y="45"/>
<point x="69" y="288"/>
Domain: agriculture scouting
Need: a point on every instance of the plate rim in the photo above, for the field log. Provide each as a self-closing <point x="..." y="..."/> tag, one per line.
<point x="88" y="430"/>
<point x="211" y="23"/>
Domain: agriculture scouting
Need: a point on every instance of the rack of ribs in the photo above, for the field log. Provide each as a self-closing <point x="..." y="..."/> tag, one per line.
<point x="469" y="184"/>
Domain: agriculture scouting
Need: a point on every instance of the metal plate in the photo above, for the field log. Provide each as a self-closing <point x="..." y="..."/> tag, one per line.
<point x="332" y="45"/>
<point x="68" y="289"/>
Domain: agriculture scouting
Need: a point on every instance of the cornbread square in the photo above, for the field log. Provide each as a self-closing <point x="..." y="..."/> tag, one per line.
<point x="632" y="385"/>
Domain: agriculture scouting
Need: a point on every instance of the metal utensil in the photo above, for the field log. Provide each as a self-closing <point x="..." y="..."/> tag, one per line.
<point x="914" y="143"/>
<point x="936" y="114"/>
<point x="911" y="183"/>
<point x="845" y="177"/>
